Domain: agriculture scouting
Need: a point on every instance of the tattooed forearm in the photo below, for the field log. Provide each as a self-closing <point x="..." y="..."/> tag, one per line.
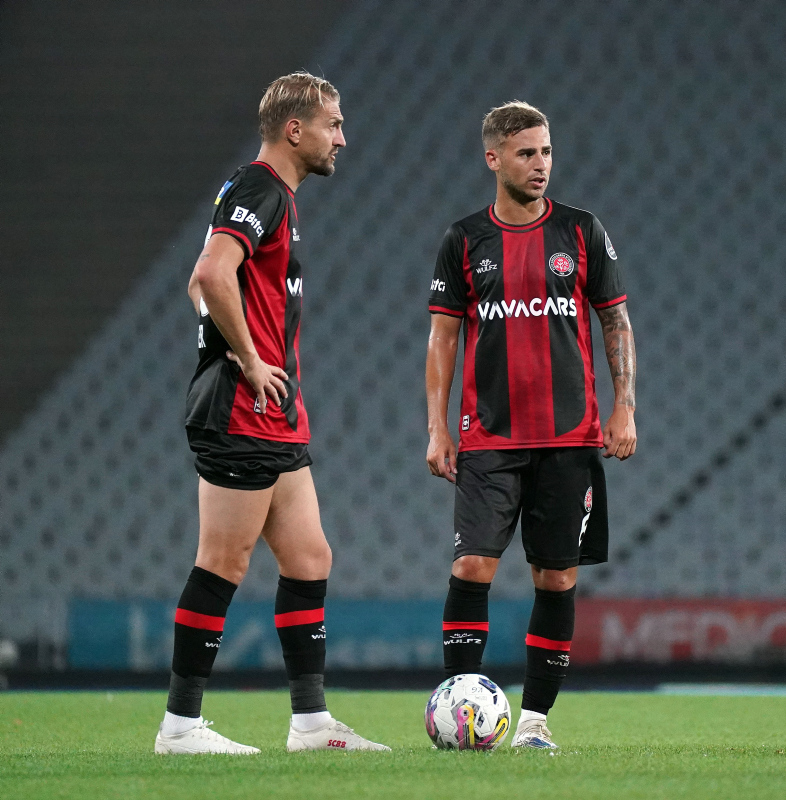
<point x="620" y="352"/>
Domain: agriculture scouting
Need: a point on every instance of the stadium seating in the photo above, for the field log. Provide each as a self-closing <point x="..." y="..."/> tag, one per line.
<point x="670" y="133"/>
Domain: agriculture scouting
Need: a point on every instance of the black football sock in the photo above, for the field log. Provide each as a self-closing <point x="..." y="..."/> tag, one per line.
<point x="548" y="647"/>
<point x="300" y="622"/>
<point x="465" y="626"/>
<point x="199" y="626"/>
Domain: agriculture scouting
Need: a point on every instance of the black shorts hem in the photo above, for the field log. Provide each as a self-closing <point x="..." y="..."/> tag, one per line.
<point x="478" y="552"/>
<point x="588" y="561"/>
<point x="236" y="461"/>
<point x="254" y="485"/>
<point x="565" y="563"/>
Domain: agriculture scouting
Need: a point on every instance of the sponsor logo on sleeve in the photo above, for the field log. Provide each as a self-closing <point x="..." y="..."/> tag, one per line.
<point x="610" y="247"/>
<point x="561" y="264"/>
<point x="437" y="285"/>
<point x="241" y="214"/>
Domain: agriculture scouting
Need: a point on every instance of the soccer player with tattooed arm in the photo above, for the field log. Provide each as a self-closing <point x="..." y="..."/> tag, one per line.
<point x="520" y="277"/>
<point x="247" y="425"/>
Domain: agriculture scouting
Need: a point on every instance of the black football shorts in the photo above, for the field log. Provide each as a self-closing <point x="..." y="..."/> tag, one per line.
<point x="558" y="492"/>
<point x="243" y="462"/>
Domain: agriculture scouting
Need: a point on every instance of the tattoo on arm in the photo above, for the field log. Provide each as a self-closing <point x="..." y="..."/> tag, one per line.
<point x="620" y="352"/>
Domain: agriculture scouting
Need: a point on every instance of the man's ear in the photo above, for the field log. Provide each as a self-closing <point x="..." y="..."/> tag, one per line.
<point x="492" y="160"/>
<point x="293" y="130"/>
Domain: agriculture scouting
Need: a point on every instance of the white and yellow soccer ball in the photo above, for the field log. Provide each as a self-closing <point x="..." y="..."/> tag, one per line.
<point x="467" y="712"/>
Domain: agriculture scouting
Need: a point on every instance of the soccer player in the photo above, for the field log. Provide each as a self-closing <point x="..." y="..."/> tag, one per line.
<point x="248" y="427"/>
<point x="520" y="276"/>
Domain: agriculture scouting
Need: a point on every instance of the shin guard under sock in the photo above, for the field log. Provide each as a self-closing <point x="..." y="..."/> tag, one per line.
<point x="199" y="626"/>
<point x="465" y="626"/>
<point x="300" y="623"/>
<point x="548" y="647"/>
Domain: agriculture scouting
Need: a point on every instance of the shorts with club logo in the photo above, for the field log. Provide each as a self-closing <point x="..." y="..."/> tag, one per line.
<point x="559" y="493"/>
<point x="234" y="461"/>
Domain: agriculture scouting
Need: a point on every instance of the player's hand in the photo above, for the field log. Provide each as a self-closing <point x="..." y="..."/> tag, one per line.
<point x="619" y="435"/>
<point x="266" y="380"/>
<point x="441" y="455"/>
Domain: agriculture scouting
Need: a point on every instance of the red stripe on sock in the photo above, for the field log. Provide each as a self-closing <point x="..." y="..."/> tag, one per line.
<point x="203" y="621"/>
<point x="300" y="617"/>
<point x="547" y="644"/>
<point x="465" y="626"/>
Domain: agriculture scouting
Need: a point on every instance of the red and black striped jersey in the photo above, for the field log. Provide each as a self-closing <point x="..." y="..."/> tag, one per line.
<point x="524" y="292"/>
<point x="258" y="209"/>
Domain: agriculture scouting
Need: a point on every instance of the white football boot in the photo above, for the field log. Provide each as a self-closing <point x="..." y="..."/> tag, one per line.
<point x="333" y="735"/>
<point x="200" y="739"/>
<point x="533" y="733"/>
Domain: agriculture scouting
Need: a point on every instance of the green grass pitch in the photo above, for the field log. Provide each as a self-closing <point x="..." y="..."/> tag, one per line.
<point x="97" y="745"/>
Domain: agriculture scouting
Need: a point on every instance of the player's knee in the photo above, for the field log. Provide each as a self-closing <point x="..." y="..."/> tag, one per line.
<point x="325" y="558"/>
<point x="230" y="564"/>
<point x="313" y="563"/>
<point x="478" y="569"/>
<point x="554" y="580"/>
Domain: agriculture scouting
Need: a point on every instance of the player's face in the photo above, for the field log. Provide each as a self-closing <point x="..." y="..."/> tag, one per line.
<point x="321" y="139"/>
<point x="523" y="163"/>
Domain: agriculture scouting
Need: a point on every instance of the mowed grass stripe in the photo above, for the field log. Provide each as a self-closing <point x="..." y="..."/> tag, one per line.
<point x="99" y="745"/>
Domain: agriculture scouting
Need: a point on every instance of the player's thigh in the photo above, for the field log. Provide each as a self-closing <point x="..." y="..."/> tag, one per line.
<point x="293" y="529"/>
<point x="230" y="522"/>
<point x="555" y="513"/>
<point x="487" y="502"/>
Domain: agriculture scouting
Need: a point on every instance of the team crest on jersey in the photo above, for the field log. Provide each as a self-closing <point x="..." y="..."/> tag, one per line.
<point x="610" y="248"/>
<point x="561" y="264"/>
<point x="588" y="500"/>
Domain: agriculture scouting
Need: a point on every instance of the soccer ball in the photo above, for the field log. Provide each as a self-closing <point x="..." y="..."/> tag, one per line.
<point x="467" y="712"/>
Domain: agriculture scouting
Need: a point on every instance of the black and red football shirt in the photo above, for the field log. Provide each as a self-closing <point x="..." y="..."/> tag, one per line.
<point x="258" y="209"/>
<point x="524" y="292"/>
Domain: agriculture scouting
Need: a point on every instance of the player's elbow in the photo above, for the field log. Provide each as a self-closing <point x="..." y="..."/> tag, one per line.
<point x="210" y="279"/>
<point x="193" y="285"/>
<point x="202" y="274"/>
<point x="440" y="344"/>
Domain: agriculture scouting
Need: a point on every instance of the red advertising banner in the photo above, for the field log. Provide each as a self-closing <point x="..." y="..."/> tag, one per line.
<point x="721" y="631"/>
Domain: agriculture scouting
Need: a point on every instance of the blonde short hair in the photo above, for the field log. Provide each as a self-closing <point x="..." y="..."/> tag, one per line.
<point x="508" y="120"/>
<point x="298" y="94"/>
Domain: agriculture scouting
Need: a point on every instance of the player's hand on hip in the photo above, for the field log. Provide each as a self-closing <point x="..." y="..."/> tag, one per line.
<point x="265" y="379"/>
<point x="441" y="455"/>
<point x="619" y="435"/>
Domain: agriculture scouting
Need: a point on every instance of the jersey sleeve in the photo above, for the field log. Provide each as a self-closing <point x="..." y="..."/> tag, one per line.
<point x="449" y="288"/>
<point x="605" y="285"/>
<point x="249" y="212"/>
